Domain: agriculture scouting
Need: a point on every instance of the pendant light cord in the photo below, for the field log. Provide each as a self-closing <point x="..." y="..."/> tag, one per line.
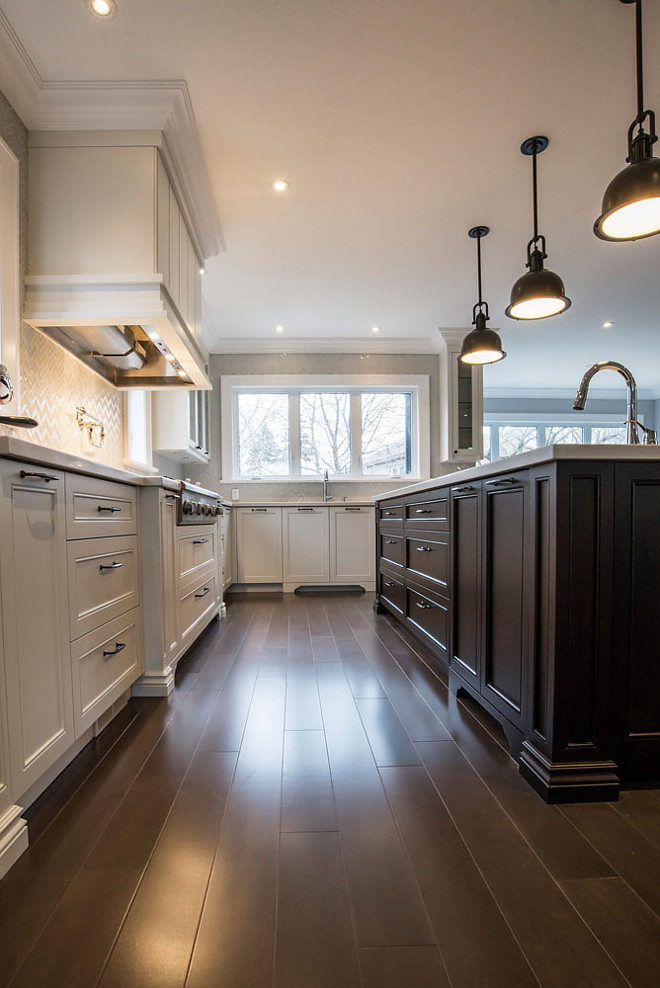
<point x="640" y="73"/>
<point x="481" y="301"/>
<point x="535" y="199"/>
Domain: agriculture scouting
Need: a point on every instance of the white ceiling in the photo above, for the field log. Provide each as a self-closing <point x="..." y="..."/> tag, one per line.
<point x="398" y="125"/>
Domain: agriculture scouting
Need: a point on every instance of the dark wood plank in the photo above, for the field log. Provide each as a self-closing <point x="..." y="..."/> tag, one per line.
<point x="477" y="946"/>
<point x="300" y="647"/>
<point x="361" y="677"/>
<point x="394" y="967"/>
<point x="627" y="928"/>
<point x="307" y="797"/>
<point x="324" y="649"/>
<point x="303" y="710"/>
<point x="235" y="942"/>
<point x="315" y="944"/>
<point x="641" y="809"/>
<point x="389" y="742"/>
<point x="226" y="724"/>
<point x="157" y="936"/>
<point x="628" y="852"/>
<point x="387" y="906"/>
<point x="559" y="948"/>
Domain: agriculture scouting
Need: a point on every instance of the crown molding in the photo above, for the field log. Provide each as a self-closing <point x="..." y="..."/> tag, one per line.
<point x="301" y="344"/>
<point x="643" y="394"/>
<point x="162" y="105"/>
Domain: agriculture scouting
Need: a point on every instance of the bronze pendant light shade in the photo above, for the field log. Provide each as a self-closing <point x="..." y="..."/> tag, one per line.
<point x="539" y="293"/>
<point x="481" y="345"/>
<point x="631" y="204"/>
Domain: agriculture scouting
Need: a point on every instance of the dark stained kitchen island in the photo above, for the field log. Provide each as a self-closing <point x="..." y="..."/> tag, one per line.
<point x="535" y="581"/>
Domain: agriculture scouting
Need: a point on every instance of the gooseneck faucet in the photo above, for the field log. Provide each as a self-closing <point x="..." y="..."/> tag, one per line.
<point x="631" y="422"/>
<point x="326" y="496"/>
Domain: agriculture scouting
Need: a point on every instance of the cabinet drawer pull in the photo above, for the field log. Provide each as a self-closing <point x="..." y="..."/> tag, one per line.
<point x="390" y="541"/>
<point x="389" y="513"/>
<point x="423" y="548"/>
<point x="258" y="509"/>
<point x="352" y="509"/>
<point x="203" y="593"/>
<point x="200" y="541"/>
<point x="422" y="605"/>
<point x="390" y="583"/>
<point x="305" y="509"/>
<point x="39" y="476"/>
<point x="119" y="647"/>
<point x="108" y="507"/>
<point x="459" y="490"/>
<point x="422" y="511"/>
<point x="110" y="566"/>
<point x="502" y="481"/>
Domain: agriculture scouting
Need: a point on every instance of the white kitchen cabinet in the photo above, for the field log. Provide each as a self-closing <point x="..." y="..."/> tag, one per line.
<point x="13" y="829"/>
<point x="33" y="578"/>
<point x="259" y="544"/>
<point x="181" y="424"/>
<point x="461" y="388"/>
<point x="306" y="544"/>
<point x="227" y="550"/>
<point x="352" y="544"/>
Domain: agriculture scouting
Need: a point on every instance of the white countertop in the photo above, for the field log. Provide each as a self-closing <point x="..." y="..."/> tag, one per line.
<point x="532" y="458"/>
<point x="348" y="503"/>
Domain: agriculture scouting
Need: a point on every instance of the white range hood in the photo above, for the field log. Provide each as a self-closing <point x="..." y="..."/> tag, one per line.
<point x="114" y="262"/>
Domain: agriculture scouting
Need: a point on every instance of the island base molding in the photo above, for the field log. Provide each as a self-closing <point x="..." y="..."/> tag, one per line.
<point x="13" y="837"/>
<point x="569" y="782"/>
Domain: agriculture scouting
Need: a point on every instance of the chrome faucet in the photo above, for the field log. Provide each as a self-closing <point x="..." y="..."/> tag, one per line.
<point x="326" y="496"/>
<point x="631" y="423"/>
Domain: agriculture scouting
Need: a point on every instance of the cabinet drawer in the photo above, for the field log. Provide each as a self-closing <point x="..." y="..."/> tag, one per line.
<point x="430" y="615"/>
<point x="391" y="547"/>
<point x="197" y="550"/>
<point x="391" y="514"/>
<point x="194" y="606"/>
<point x="429" y="557"/>
<point x="97" y="508"/>
<point x="105" y="663"/>
<point x="392" y="592"/>
<point x="431" y="514"/>
<point x="103" y="581"/>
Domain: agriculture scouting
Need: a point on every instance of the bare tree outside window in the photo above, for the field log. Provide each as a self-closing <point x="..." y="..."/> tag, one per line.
<point x="609" y="434"/>
<point x="263" y="435"/>
<point x="555" y="434"/>
<point x="517" y="439"/>
<point x="386" y="433"/>
<point x="325" y="433"/>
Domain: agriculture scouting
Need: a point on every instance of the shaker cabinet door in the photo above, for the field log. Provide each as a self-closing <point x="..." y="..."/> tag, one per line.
<point x="466" y="580"/>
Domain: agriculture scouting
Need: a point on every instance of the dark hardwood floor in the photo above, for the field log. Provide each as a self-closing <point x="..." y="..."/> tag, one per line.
<point x="312" y="809"/>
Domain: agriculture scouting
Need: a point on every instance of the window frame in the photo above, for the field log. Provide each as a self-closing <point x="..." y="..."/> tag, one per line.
<point x="141" y="426"/>
<point x="541" y="422"/>
<point x="416" y="384"/>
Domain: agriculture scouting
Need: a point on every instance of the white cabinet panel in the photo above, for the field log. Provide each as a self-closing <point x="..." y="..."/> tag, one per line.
<point x="103" y="581"/>
<point x="352" y="544"/>
<point x="175" y="247"/>
<point x="35" y="620"/>
<point x="259" y="548"/>
<point x="163" y="223"/>
<point x="306" y="544"/>
<point x="197" y="551"/>
<point x="99" y="508"/>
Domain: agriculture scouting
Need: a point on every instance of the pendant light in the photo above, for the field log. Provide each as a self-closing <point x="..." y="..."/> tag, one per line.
<point x="631" y="204"/>
<point x="481" y="345"/>
<point x="538" y="293"/>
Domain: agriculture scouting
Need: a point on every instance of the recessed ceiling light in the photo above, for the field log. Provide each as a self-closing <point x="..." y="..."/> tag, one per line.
<point x="181" y="372"/>
<point x="168" y="356"/>
<point x="279" y="329"/>
<point x="608" y="324"/>
<point x="375" y="329"/>
<point x="103" y="8"/>
<point x="202" y="270"/>
<point x="281" y="185"/>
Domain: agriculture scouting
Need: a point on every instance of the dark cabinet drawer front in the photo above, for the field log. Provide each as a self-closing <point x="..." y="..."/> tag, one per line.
<point x="430" y="616"/>
<point x="392" y="592"/>
<point x="433" y="515"/>
<point x="392" y="548"/>
<point x="429" y="557"/>
<point x="391" y="514"/>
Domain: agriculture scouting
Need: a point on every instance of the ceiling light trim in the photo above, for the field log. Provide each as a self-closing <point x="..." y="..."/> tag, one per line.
<point x="160" y="104"/>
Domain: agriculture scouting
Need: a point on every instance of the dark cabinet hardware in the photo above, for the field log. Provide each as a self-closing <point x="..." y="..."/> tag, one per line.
<point x="459" y="490"/>
<point x="390" y="583"/>
<point x="203" y="593"/>
<point x="305" y="509"/>
<point x="423" y="548"/>
<point x="108" y="507"/>
<point x="422" y="605"/>
<point x="38" y="476"/>
<point x="200" y="541"/>
<point x="390" y="541"/>
<point x="110" y="566"/>
<point x="352" y="509"/>
<point x="119" y="647"/>
<point x="422" y="511"/>
<point x="258" y="509"/>
<point x="502" y="482"/>
<point x="389" y="513"/>
<point x="198" y="446"/>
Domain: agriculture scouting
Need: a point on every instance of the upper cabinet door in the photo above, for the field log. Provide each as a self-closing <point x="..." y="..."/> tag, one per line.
<point x="162" y="223"/>
<point x="9" y="279"/>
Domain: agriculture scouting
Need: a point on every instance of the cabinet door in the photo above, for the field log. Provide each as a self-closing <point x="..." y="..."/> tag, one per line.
<point x="352" y="544"/>
<point x="162" y="223"/>
<point x="5" y="775"/>
<point x="466" y="579"/>
<point x="175" y="248"/>
<point x="505" y="609"/>
<point x="35" y="619"/>
<point x="168" y="541"/>
<point x="305" y="537"/>
<point x="259" y="545"/>
<point x="228" y="525"/>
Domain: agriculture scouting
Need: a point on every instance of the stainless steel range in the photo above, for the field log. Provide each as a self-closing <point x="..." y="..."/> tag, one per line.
<point x="197" y="506"/>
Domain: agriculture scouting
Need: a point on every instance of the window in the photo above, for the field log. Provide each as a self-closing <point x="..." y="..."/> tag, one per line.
<point x="137" y="430"/>
<point x="282" y="428"/>
<point x="508" y="438"/>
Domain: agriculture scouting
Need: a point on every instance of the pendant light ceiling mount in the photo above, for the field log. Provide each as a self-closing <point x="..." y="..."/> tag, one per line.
<point x="538" y="293"/>
<point x="481" y="345"/>
<point x="631" y="204"/>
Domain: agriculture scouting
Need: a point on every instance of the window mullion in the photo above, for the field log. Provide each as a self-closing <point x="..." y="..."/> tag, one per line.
<point x="294" y="434"/>
<point x="356" y="434"/>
